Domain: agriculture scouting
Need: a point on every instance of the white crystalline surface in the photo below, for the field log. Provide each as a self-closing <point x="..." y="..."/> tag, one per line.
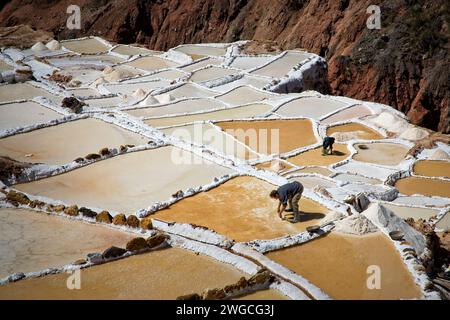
<point x="156" y="96"/>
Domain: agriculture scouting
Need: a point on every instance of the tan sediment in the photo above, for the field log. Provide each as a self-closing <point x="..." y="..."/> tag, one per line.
<point x="151" y="63"/>
<point x="55" y="144"/>
<point x="85" y="46"/>
<point x="292" y="134"/>
<point x="13" y="115"/>
<point x="22" y="91"/>
<point x="232" y="113"/>
<point x="267" y="294"/>
<point x="423" y="186"/>
<point x="154" y="275"/>
<point x="105" y="184"/>
<point x="390" y="154"/>
<point x="432" y="168"/>
<point x="33" y="241"/>
<point x="357" y="111"/>
<point x="357" y="130"/>
<point x="338" y="265"/>
<point x="242" y="210"/>
<point x="315" y="157"/>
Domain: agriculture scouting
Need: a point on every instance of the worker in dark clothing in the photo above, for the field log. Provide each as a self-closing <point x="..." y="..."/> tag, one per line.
<point x="288" y="194"/>
<point x="327" y="145"/>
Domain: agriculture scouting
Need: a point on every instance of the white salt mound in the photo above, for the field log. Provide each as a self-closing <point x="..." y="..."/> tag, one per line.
<point x="277" y="166"/>
<point x="139" y="93"/>
<point x="356" y="224"/>
<point x="332" y="216"/>
<point x="439" y="155"/>
<point x="164" y="98"/>
<point x="414" y="134"/>
<point x="39" y="46"/>
<point x="382" y="217"/>
<point x="108" y="70"/>
<point x="53" y="45"/>
<point x="390" y="122"/>
<point x="150" y="100"/>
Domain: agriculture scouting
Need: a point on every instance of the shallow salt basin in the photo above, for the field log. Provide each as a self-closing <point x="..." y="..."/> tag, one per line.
<point x="154" y="275"/>
<point x="98" y="60"/>
<point x="83" y="92"/>
<point x="241" y="209"/>
<point x="390" y="154"/>
<point x="167" y="74"/>
<point x="283" y="65"/>
<point x="248" y="111"/>
<point x="243" y="95"/>
<point x="110" y="102"/>
<point x="190" y="90"/>
<point x="271" y="136"/>
<point x="128" y="50"/>
<point x="310" y="107"/>
<point x="267" y="294"/>
<point x="312" y="182"/>
<point x="350" y="131"/>
<point x="275" y="166"/>
<point x="418" y="200"/>
<point x="22" y="91"/>
<point x="197" y="50"/>
<point x="21" y="114"/>
<point x="151" y="63"/>
<point x="179" y="107"/>
<point x="200" y="64"/>
<point x="347" y="177"/>
<point x="314" y="157"/>
<point x="106" y="185"/>
<point x="210" y="73"/>
<point x="365" y="170"/>
<point x="130" y="88"/>
<point x="338" y="265"/>
<point x="4" y="66"/>
<point x="313" y="169"/>
<point x="84" y="75"/>
<point x="353" y="112"/>
<point x="432" y="168"/>
<point x="86" y="46"/>
<point x="206" y="134"/>
<point x="32" y="241"/>
<point x="411" y="212"/>
<point x="423" y="186"/>
<point x="50" y="145"/>
<point x="250" y="62"/>
<point x="246" y="80"/>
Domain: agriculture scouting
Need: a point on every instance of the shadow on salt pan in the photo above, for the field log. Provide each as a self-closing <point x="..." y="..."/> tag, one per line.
<point x="106" y="185"/>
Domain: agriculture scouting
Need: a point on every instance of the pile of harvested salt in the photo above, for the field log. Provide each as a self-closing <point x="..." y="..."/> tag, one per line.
<point x="150" y="100"/>
<point x="139" y="94"/>
<point x="356" y="224"/>
<point x="331" y="217"/>
<point x="439" y="155"/>
<point x="390" y="122"/>
<point x="164" y="98"/>
<point x="53" y="45"/>
<point x="414" y="134"/>
<point x="39" y="46"/>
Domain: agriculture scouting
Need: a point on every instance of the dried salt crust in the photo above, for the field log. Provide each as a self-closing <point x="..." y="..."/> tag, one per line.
<point x="346" y="101"/>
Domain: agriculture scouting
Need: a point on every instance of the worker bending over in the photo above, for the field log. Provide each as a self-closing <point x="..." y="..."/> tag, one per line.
<point x="288" y="194"/>
<point x="327" y="145"/>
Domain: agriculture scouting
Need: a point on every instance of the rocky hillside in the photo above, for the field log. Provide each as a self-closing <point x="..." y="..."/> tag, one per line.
<point x="405" y="64"/>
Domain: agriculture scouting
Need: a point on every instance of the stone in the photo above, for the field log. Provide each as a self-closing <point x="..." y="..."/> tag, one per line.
<point x="133" y="221"/>
<point x="79" y="160"/>
<point x="17" y="198"/>
<point x="92" y="156"/>
<point x="178" y="194"/>
<point x="104" y="152"/>
<point x="213" y="294"/>
<point x="137" y="244"/>
<point x="122" y="148"/>
<point x="261" y="277"/>
<point x="104" y="217"/>
<point x="156" y="240"/>
<point x="190" y="296"/>
<point x="119" y="219"/>
<point x="94" y="258"/>
<point x="16" y="277"/>
<point x="71" y="211"/>
<point x="241" y="284"/>
<point x="79" y="262"/>
<point x="72" y="103"/>
<point x="88" y="213"/>
<point x="36" y="204"/>
<point x="113" y="252"/>
<point x="146" y="223"/>
<point x="57" y="208"/>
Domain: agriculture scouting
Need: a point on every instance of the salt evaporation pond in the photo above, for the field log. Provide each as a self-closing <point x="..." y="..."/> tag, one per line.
<point x="352" y="112"/>
<point x="432" y="168"/>
<point x="390" y="154"/>
<point x="416" y="213"/>
<point x="50" y="145"/>
<point x="163" y="171"/>
<point x="25" y="91"/>
<point x="21" y="114"/>
<point x="196" y="51"/>
<point x="424" y="186"/>
<point x="244" y="94"/>
<point x="91" y="45"/>
<point x="191" y="90"/>
<point x="314" y="157"/>
<point x="128" y="50"/>
<point x="151" y="63"/>
<point x="32" y="241"/>
<point x="241" y="209"/>
<point x="154" y="275"/>
<point x="310" y="107"/>
<point x="210" y="74"/>
<point x="349" y="131"/>
<point x="338" y="265"/>
<point x="280" y="67"/>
